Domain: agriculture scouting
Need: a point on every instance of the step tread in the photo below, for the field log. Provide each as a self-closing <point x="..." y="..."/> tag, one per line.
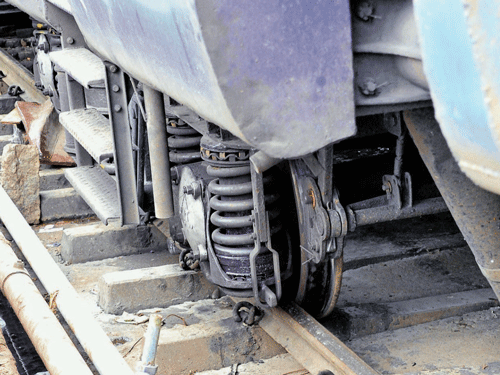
<point x="98" y="189"/>
<point x="81" y="64"/>
<point x="91" y="129"/>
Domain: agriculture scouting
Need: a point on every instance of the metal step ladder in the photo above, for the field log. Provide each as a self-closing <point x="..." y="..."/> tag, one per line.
<point x="85" y="67"/>
<point x="91" y="129"/>
<point x="109" y="197"/>
<point x="98" y="189"/>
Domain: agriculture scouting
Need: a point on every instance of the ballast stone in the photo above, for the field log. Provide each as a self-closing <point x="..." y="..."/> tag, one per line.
<point x="20" y="179"/>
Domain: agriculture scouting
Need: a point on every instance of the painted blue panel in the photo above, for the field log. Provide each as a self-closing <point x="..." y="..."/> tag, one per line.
<point x="452" y="74"/>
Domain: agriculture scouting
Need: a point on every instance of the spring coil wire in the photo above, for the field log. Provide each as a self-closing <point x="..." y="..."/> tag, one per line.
<point x="183" y="142"/>
<point x="233" y="236"/>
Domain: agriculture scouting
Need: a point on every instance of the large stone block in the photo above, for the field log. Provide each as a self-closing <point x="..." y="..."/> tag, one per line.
<point x="20" y="179"/>
<point x="146" y="288"/>
<point x="98" y="241"/>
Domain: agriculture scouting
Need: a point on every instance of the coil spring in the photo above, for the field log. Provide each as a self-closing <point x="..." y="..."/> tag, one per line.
<point x="233" y="237"/>
<point x="183" y="142"/>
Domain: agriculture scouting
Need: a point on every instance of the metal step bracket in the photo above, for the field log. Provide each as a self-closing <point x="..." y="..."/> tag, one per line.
<point x="262" y="244"/>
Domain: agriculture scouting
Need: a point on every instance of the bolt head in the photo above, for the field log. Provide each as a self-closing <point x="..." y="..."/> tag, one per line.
<point x="117" y="108"/>
<point x="70" y="40"/>
<point x="113" y="68"/>
<point x="116" y="88"/>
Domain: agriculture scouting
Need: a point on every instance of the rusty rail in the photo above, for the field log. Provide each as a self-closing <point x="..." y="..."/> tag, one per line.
<point x="311" y="344"/>
<point x="16" y="74"/>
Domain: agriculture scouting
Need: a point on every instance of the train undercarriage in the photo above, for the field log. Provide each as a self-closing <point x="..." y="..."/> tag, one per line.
<point x="257" y="194"/>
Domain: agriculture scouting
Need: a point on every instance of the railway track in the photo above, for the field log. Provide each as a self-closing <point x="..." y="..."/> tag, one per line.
<point x="412" y="294"/>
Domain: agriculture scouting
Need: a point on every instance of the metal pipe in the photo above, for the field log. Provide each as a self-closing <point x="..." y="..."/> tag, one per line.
<point x="151" y="337"/>
<point x="44" y="330"/>
<point x="158" y="152"/>
<point x="359" y="216"/>
<point x="96" y="343"/>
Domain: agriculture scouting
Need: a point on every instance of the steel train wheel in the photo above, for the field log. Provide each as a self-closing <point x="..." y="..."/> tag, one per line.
<point x="318" y="285"/>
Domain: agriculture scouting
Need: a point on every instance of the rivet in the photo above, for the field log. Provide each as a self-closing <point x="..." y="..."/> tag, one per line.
<point x="116" y="88"/>
<point x="113" y="68"/>
<point x="70" y="40"/>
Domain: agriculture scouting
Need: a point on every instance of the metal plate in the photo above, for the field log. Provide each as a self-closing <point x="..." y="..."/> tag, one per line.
<point x="91" y="129"/>
<point x="98" y="189"/>
<point x="267" y="71"/>
<point x="81" y="64"/>
<point x="455" y="76"/>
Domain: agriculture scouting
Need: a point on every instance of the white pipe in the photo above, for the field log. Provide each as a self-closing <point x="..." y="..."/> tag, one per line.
<point x="44" y="330"/>
<point x="99" y="348"/>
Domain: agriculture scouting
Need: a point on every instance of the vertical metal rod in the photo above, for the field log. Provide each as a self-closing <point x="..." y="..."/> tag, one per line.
<point x="158" y="151"/>
<point x="398" y="161"/>
<point x="122" y="143"/>
<point x="76" y="99"/>
<point x="141" y="154"/>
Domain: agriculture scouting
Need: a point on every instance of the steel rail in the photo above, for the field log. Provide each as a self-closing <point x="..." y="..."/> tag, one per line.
<point x="93" y="339"/>
<point x="50" y="339"/>
<point x="311" y="344"/>
<point x="16" y="74"/>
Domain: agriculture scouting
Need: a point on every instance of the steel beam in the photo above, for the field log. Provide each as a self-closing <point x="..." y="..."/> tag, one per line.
<point x="476" y="211"/>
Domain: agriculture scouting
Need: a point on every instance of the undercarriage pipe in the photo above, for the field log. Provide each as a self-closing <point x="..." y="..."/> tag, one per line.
<point x="94" y="341"/>
<point x="360" y="214"/>
<point x="158" y="151"/>
<point x="44" y="330"/>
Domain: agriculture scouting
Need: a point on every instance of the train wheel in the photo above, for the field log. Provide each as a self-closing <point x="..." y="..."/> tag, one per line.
<point x="319" y="275"/>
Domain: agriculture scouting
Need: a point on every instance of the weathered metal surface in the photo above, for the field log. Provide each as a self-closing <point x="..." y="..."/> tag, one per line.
<point x="475" y="210"/>
<point x="81" y="64"/>
<point x="455" y="77"/>
<point x="311" y="344"/>
<point x="484" y="27"/>
<point x="46" y="333"/>
<point x="158" y="149"/>
<point x="98" y="189"/>
<point x="92" y="130"/>
<point x="387" y="60"/>
<point x="45" y="132"/>
<point x="16" y="74"/>
<point x="122" y="144"/>
<point x="256" y="69"/>
<point x="79" y="318"/>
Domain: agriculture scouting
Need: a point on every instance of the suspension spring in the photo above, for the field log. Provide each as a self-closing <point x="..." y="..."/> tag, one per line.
<point x="183" y="142"/>
<point x="232" y="232"/>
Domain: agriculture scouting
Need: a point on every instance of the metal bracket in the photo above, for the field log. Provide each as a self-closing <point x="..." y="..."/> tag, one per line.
<point x="261" y="291"/>
<point x="118" y="117"/>
<point x="399" y="191"/>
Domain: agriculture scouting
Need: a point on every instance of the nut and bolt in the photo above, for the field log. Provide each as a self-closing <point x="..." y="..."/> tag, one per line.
<point x="117" y="108"/>
<point x="365" y="11"/>
<point x="113" y="68"/>
<point x="194" y="189"/>
<point x="387" y="187"/>
<point x="369" y="87"/>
